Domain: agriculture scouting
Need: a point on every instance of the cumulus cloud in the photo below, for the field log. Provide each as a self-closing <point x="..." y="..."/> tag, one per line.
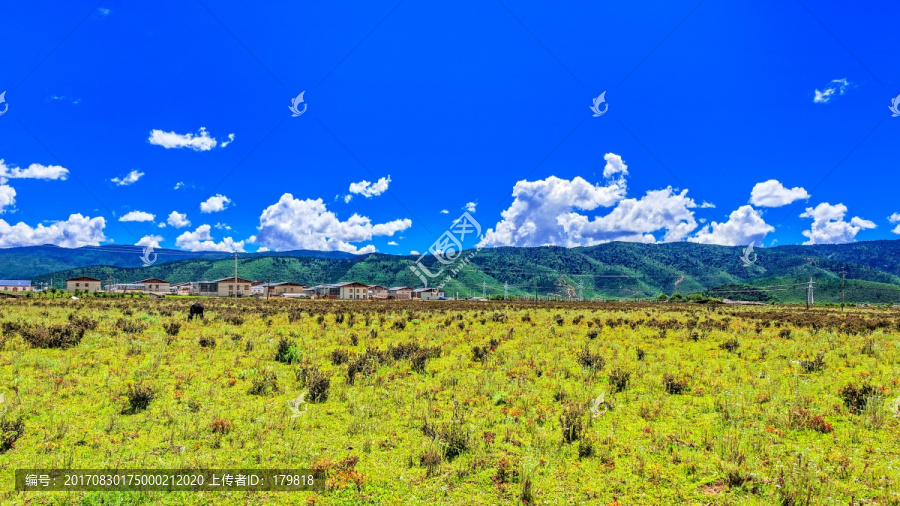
<point x="150" y="240"/>
<point x="201" y="141"/>
<point x="178" y="220"/>
<point x="772" y="193"/>
<point x="833" y="89"/>
<point x="201" y="240"/>
<point x="7" y="197"/>
<point x="444" y="211"/>
<point x="470" y="206"/>
<point x="178" y="185"/>
<point x="367" y="189"/>
<point x="222" y="226"/>
<point x="392" y="243"/>
<point x="894" y="218"/>
<point x="75" y="232"/>
<point x="128" y="179"/>
<point x="138" y="216"/>
<point x="33" y="171"/>
<point x="745" y="225"/>
<point x="829" y="227"/>
<point x="307" y="224"/>
<point x="614" y="165"/>
<point x="215" y="204"/>
<point x="413" y="252"/>
<point x="542" y="212"/>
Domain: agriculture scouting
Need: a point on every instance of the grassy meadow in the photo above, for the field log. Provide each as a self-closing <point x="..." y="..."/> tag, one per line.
<point x="458" y="402"/>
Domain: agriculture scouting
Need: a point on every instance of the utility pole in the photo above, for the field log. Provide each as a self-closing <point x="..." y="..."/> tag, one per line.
<point x="484" y="289"/>
<point x="581" y="291"/>
<point x="505" y="290"/>
<point x="268" y="284"/>
<point x="810" y="299"/>
<point x="535" y="290"/>
<point x="235" y="275"/>
<point x="843" y="271"/>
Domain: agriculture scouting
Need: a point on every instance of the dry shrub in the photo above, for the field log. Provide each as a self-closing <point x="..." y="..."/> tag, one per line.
<point x="803" y="419"/>
<point x="264" y="383"/>
<point x="10" y="431"/>
<point x="618" y="379"/>
<point x="856" y="397"/>
<point x="590" y="360"/>
<point x="53" y="336"/>
<point x="220" y="426"/>
<point x="814" y="365"/>
<point x="571" y="422"/>
<point x="139" y="397"/>
<point x="674" y="385"/>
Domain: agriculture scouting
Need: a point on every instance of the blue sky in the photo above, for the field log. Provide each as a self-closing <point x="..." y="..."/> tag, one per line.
<point x="440" y="105"/>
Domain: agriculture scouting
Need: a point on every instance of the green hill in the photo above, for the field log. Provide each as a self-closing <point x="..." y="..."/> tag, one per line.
<point x="614" y="270"/>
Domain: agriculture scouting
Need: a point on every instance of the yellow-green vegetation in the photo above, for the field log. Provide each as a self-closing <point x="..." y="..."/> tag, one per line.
<point x="458" y="402"/>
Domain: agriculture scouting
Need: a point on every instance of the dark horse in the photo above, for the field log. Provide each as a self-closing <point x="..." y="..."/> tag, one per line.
<point x="196" y="309"/>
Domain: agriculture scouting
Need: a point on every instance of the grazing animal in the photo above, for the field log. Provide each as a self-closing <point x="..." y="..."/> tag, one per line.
<point x="196" y="310"/>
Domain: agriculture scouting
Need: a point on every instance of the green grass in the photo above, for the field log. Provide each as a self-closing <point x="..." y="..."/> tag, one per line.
<point x="466" y="430"/>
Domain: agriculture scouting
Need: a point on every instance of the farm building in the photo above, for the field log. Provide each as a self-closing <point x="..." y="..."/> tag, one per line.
<point x="15" y="285"/>
<point x="400" y="292"/>
<point x="378" y="292"/>
<point x="427" y="294"/>
<point x="279" y="289"/>
<point x="84" y="284"/>
<point x="125" y="288"/>
<point x="180" y="289"/>
<point x="227" y="287"/>
<point x="351" y="290"/>
<point x="154" y="285"/>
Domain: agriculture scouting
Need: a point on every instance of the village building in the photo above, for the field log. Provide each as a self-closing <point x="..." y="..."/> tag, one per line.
<point x="427" y="294"/>
<point x="83" y="284"/>
<point x="225" y="287"/>
<point x="400" y="292"/>
<point x="282" y="289"/>
<point x="180" y="289"/>
<point x="377" y="292"/>
<point x="154" y="285"/>
<point x="351" y="290"/>
<point x="15" y="285"/>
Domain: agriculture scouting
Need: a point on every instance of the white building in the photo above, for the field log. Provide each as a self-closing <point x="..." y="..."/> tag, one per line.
<point x="15" y="285"/>
<point x="427" y="294"/>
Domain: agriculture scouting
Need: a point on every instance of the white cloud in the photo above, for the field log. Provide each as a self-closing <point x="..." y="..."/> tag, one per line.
<point x="614" y="165"/>
<point x="444" y="211"/>
<point x="307" y="224"/>
<point x="222" y="226"/>
<point x="531" y="219"/>
<point x="835" y="88"/>
<point x="130" y="178"/>
<point x="178" y="185"/>
<point x="413" y="252"/>
<point x="34" y="171"/>
<point x="215" y="204"/>
<point x="150" y="240"/>
<point x="829" y="227"/>
<point x="772" y="193"/>
<point x="367" y="189"/>
<point x="161" y="224"/>
<point x="7" y="197"/>
<point x="470" y="206"/>
<point x="178" y="220"/>
<point x="104" y="11"/>
<point x="201" y="141"/>
<point x="745" y="225"/>
<point x="262" y="250"/>
<point x="392" y="243"/>
<point x="633" y="220"/>
<point x="201" y="240"/>
<point x="894" y="218"/>
<point x="140" y="216"/>
<point x="75" y="232"/>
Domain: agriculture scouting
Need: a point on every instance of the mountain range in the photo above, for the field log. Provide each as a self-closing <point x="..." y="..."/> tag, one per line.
<point x="613" y="270"/>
